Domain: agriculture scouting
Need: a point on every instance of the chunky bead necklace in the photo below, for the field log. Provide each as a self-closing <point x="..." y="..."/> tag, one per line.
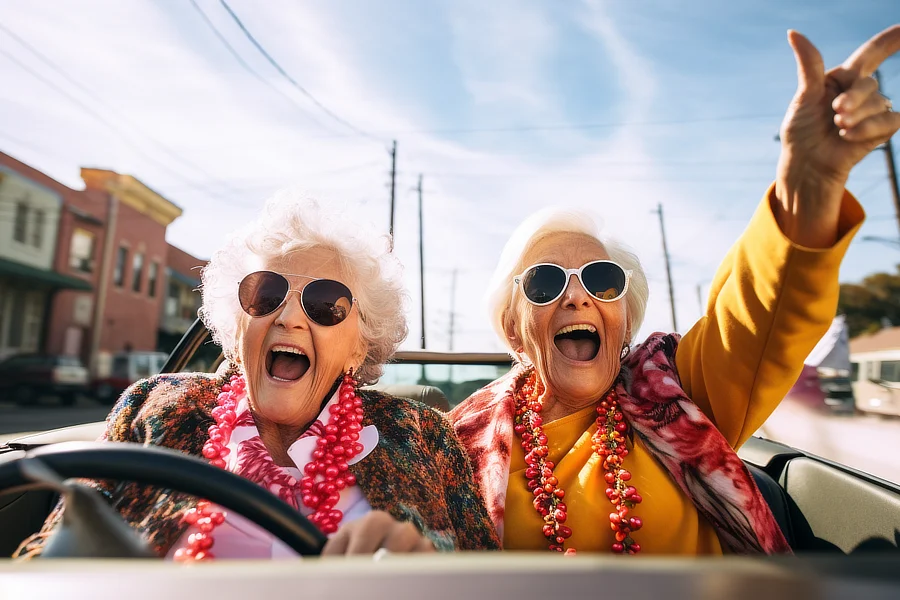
<point x="608" y="442"/>
<point x="323" y="477"/>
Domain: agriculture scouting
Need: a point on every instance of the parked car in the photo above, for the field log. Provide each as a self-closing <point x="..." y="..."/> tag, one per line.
<point x="24" y="378"/>
<point x="827" y="511"/>
<point x="876" y="381"/>
<point x="127" y="367"/>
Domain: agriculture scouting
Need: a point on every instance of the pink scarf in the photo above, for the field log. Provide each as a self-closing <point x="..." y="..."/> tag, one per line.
<point x="674" y="430"/>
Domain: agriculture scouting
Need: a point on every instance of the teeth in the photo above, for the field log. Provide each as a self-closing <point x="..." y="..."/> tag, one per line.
<point x="579" y="327"/>
<point x="288" y="350"/>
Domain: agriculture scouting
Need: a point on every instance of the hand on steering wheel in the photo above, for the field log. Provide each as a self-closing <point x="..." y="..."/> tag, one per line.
<point x="377" y="530"/>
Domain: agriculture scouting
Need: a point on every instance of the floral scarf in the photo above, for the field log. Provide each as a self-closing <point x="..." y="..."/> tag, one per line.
<point x="674" y="430"/>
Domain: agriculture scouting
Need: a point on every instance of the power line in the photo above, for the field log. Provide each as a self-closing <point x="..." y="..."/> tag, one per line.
<point x="32" y="147"/>
<point x="234" y="53"/>
<point x="100" y="118"/>
<point x="290" y="79"/>
<point x="577" y="126"/>
<point x="270" y="183"/>
<point x="87" y="92"/>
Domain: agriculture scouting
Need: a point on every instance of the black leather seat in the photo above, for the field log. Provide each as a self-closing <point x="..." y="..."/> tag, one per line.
<point x="777" y="500"/>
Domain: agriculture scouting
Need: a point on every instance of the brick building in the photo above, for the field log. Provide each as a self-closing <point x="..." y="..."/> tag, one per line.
<point x="106" y="268"/>
<point x="33" y="208"/>
<point x="182" y="297"/>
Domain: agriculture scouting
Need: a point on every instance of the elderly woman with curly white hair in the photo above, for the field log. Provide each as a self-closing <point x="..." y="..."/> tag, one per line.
<point x="307" y="306"/>
<point x="593" y="445"/>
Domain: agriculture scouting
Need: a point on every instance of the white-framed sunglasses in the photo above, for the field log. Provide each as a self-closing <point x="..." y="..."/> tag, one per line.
<point x="545" y="283"/>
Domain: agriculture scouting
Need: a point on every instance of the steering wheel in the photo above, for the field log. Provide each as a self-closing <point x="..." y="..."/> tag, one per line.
<point x="166" y="468"/>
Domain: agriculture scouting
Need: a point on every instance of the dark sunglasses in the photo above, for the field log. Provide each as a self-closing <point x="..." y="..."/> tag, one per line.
<point x="325" y="301"/>
<point x="545" y="282"/>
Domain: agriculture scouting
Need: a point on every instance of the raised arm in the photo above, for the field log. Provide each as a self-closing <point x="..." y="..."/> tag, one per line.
<point x="776" y="291"/>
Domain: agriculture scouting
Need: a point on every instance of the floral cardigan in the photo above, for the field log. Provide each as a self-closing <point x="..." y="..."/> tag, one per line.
<point x="418" y="472"/>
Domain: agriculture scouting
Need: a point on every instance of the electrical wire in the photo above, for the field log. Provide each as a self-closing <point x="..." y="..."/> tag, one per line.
<point x="87" y="92"/>
<point x="246" y="66"/>
<point x="290" y="79"/>
<point x="101" y="119"/>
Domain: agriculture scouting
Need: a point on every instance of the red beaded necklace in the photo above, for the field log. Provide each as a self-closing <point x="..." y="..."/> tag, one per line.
<point x="608" y="442"/>
<point x="323" y="477"/>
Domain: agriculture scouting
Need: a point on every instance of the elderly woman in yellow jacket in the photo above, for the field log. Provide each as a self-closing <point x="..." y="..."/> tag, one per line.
<point x="589" y="444"/>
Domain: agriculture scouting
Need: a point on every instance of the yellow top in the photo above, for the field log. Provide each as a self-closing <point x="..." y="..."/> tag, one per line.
<point x="769" y="304"/>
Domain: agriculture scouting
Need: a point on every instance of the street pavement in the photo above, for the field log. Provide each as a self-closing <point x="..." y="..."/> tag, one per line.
<point x="869" y="443"/>
<point x="48" y="414"/>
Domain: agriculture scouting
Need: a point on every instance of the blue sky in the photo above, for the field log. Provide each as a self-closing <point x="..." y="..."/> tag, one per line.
<point x="503" y="106"/>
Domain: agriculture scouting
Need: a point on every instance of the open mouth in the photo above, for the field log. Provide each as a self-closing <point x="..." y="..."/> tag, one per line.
<point x="578" y="342"/>
<point x="285" y="363"/>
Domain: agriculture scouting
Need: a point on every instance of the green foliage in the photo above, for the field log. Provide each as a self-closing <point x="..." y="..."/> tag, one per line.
<point x="870" y="302"/>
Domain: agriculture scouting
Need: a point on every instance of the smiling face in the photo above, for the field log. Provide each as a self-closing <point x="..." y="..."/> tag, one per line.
<point x="290" y="361"/>
<point x="574" y="343"/>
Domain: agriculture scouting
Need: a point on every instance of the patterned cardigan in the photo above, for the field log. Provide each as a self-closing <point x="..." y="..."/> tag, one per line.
<point x="419" y="472"/>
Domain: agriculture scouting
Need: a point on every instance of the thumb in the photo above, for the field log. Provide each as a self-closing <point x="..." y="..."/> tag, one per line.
<point x="810" y="66"/>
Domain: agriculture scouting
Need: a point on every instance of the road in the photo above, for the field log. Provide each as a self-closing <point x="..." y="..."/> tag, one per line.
<point x="48" y="414"/>
<point x="869" y="443"/>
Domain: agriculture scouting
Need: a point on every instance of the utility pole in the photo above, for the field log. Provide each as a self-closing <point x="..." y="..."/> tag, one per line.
<point x="421" y="262"/>
<point x="662" y="228"/>
<point x="700" y="298"/>
<point x="452" y="307"/>
<point x="106" y="259"/>
<point x="892" y="170"/>
<point x="393" y="188"/>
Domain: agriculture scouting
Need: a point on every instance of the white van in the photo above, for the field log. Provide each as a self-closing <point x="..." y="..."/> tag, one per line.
<point x="876" y="381"/>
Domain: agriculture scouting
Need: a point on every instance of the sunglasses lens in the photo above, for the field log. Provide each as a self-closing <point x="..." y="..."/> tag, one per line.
<point x="327" y="302"/>
<point x="262" y="292"/>
<point x="606" y="281"/>
<point x="543" y="283"/>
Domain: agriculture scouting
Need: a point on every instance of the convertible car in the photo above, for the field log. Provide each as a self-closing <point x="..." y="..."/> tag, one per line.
<point x="843" y="525"/>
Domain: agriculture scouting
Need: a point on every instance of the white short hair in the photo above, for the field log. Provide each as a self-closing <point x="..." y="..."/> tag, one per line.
<point x="560" y="220"/>
<point x="291" y="223"/>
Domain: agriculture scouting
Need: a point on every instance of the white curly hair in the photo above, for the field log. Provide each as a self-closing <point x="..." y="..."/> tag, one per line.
<point x="290" y="223"/>
<point x="538" y="226"/>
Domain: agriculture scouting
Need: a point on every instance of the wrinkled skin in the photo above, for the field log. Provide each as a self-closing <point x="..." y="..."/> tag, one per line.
<point x="570" y="385"/>
<point x="283" y="410"/>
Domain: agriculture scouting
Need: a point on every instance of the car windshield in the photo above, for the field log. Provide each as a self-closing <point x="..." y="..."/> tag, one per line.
<point x="456" y="381"/>
<point x="137" y="136"/>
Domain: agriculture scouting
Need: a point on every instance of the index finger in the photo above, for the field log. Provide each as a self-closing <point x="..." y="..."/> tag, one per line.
<point x="870" y="55"/>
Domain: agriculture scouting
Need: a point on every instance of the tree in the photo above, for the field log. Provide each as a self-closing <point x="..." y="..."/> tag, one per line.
<point x="871" y="304"/>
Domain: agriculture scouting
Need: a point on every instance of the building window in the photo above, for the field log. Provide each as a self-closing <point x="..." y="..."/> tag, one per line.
<point x="21" y="223"/>
<point x="119" y="273"/>
<point x="81" y="251"/>
<point x="890" y="370"/>
<point x="172" y="299"/>
<point x="37" y="233"/>
<point x="137" y="271"/>
<point x="152" y="274"/>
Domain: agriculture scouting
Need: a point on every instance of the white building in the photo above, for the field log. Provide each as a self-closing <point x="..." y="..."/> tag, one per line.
<point x="29" y="219"/>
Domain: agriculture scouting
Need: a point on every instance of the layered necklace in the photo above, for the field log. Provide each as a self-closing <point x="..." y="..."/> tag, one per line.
<point x="549" y="498"/>
<point x="323" y="477"/>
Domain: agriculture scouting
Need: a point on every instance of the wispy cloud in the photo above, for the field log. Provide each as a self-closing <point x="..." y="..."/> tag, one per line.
<point x="501" y="65"/>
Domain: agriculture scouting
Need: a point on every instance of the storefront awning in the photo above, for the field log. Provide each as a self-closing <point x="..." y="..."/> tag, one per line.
<point x="182" y="278"/>
<point x="41" y="277"/>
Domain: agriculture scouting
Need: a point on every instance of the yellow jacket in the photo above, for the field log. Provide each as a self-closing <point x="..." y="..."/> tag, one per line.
<point x="769" y="304"/>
